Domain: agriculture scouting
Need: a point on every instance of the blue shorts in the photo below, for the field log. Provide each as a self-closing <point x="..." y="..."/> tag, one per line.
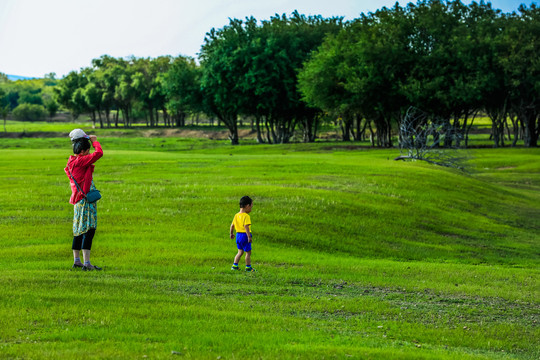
<point x="242" y="242"/>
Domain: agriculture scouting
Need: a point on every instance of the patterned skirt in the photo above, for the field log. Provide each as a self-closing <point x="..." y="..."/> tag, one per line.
<point x="85" y="216"/>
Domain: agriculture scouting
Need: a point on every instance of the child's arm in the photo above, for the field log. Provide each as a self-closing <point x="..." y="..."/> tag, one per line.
<point x="232" y="229"/>
<point x="247" y="232"/>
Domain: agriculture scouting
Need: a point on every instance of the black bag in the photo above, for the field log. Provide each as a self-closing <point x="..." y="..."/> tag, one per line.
<point x="92" y="196"/>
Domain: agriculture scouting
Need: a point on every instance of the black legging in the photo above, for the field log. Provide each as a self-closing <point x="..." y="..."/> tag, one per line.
<point x="83" y="241"/>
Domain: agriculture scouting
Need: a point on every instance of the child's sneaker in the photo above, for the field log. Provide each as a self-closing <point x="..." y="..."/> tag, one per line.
<point x="249" y="269"/>
<point x="235" y="267"/>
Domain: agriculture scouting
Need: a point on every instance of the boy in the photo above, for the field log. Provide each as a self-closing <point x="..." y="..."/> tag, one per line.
<point x="242" y="224"/>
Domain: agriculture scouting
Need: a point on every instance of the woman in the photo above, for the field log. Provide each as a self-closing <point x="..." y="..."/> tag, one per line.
<point x="80" y="167"/>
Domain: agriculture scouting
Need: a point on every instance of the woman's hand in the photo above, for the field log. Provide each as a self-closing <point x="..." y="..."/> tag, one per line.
<point x="92" y="138"/>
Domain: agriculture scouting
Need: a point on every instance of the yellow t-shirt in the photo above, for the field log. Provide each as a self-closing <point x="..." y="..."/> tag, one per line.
<point x="240" y="220"/>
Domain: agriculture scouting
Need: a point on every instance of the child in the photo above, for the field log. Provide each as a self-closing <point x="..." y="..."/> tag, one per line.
<point x="242" y="224"/>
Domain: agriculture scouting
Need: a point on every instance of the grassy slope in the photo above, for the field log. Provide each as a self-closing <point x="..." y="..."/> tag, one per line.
<point x="357" y="254"/>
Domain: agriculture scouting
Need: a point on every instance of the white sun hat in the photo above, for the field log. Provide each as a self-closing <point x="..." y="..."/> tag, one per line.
<point x="77" y="134"/>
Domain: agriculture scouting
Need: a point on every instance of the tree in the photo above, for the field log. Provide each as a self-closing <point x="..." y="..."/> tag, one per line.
<point x="93" y="96"/>
<point x="181" y="85"/>
<point x="124" y="93"/>
<point x="477" y="81"/>
<point x="29" y="112"/>
<point x="69" y="93"/>
<point x="278" y="50"/>
<point x="12" y="97"/>
<point x="3" y="78"/>
<point x="420" y="137"/>
<point x="522" y="69"/>
<point x="30" y="96"/>
<point x="142" y="85"/>
<point x="52" y="107"/>
<point x="446" y="58"/>
<point x="358" y="74"/>
<point x="252" y="70"/>
<point x="157" y="96"/>
<point x="4" y="111"/>
<point x="106" y="76"/>
<point x="430" y="84"/>
<point x="4" y="107"/>
<point x="323" y="85"/>
<point x="223" y="67"/>
<point x="147" y="89"/>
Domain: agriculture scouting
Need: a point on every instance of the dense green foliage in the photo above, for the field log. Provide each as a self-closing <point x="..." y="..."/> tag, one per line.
<point x="29" y="100"/>
<point x="451" y="61"/>
<point x="251" y="70"/>
<point x="357" y="255"/>
<point x="29" y="112"/>
<point x="129" y="86"/>
<point x="181" y="88"/>
<point x="445" y="58"/>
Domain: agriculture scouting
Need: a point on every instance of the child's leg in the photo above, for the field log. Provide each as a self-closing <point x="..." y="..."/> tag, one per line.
<point x="248" y="258"/>
<point x="238" y="256"/>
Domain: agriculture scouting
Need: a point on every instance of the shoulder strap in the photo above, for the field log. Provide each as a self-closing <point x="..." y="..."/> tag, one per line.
<point x="75" y="181"/>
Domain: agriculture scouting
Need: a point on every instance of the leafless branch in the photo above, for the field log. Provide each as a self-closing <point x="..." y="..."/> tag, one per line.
<point x="421" y="136"/>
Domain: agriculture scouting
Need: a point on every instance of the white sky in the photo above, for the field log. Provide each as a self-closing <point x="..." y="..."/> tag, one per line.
<point x="42" y="36"/>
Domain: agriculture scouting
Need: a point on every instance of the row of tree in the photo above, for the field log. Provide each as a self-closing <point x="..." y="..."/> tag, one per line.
<point x="447" y="59"/>
<point x="165" y="85"/>
<point x="246" y="70"/>
<point x="28" y="100"/>
<point x="290" y="74"/>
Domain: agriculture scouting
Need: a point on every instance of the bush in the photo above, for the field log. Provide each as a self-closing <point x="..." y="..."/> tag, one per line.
<point x="30" y="112"/>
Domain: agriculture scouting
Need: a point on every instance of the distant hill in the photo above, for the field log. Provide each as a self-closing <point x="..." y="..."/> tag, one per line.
<point x="17" y="77"/>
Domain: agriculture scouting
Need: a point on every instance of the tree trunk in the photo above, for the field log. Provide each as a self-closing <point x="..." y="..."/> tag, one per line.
<point x="311" y="124"/>
<point x="498" y="116"/>
<point x="100" y="119"/>
<point x="231" y="122"/>
<point x="166" y="117"/>
<point x="93" y="116"/>
<point x="448" y="134"/>
<point x="515" y="129"/>
<point x="467" y="129"/>
<point x="233" y="133"/>
<point x="267" y="125"/>
<point x="389" y="129"/>
<point x="258" y="126"/>
<point x="530" y="119"/>
<point x="371" y="134"/>
<point x="316" y="122"/>
<point x="107" y="117"/>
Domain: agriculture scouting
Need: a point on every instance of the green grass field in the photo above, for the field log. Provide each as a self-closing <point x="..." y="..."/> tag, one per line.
<point x="479" y="135"/>
<point x="358" y="256"/>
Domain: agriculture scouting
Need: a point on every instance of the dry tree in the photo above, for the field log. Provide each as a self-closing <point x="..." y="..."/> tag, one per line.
<point x="420" y="138"/>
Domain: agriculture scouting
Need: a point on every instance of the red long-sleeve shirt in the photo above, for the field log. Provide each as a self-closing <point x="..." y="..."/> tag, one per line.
<point x="82" y="169"/>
